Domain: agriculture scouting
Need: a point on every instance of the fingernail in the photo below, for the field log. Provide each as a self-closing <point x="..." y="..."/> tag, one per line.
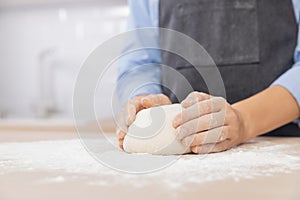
<point x="194" y="149"/>
<point x="177" y="122"/>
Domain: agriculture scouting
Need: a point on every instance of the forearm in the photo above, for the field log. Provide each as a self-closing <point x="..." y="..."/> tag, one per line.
<point x="139" y="65"/>
<point x="267" y="110"/>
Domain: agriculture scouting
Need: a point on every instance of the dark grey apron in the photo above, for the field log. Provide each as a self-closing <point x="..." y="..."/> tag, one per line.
<point x="251" y="41"/>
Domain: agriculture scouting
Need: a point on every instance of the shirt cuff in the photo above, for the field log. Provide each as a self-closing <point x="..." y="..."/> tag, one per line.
<point x="144" y="79"/>
<point x="131" y="91"/>
<point x="147" y="89"/>
<point x="291" y="81"/>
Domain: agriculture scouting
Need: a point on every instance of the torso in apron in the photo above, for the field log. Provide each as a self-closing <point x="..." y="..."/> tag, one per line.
<point x="252" y="43"/>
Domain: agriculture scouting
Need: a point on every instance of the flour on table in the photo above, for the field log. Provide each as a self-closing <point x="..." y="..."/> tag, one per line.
<point x="152" y="132"/>
<point x="263" y="158"/>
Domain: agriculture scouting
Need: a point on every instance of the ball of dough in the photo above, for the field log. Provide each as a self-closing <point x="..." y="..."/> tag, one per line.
<point x="152" y="132"/>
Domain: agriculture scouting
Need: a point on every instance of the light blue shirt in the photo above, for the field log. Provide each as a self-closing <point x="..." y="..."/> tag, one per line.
<point x="143" y="66"/>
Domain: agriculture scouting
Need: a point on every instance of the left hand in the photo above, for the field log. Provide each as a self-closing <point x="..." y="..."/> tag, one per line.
<point x="208" y="124"/>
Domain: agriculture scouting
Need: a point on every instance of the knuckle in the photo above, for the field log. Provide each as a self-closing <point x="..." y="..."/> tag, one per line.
<point x="220" y="118"/>
<point x="151" y="96"/>
<point x="202" y="94"/>
<point x="220" y="100"/>
<point x="195" y="93"/>
<point x="162" y="96"/>
<point x="205" y="107"/>
<point x="147" y="98"/>
<point x="211" y="121"/>
<point x="166" y="99"/>
<point x="130" y="103"/>
<point x="137" y="98"/>
<point x="199" y="96"/>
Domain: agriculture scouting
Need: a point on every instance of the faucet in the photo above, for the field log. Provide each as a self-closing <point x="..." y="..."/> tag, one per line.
<point x="46" y="105"/>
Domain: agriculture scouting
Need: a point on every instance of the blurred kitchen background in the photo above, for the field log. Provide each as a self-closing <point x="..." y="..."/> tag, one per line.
<point x="42" y="46"/>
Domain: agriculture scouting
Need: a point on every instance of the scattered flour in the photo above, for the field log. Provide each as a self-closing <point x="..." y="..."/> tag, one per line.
<point x="57" y="179"/>
<point x="247" y="161"/>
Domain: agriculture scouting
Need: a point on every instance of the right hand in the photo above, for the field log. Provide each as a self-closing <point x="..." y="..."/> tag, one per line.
<point x="132" y="107"/>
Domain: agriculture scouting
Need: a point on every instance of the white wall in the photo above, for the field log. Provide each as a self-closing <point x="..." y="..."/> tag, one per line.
<point x="66" y="34"/>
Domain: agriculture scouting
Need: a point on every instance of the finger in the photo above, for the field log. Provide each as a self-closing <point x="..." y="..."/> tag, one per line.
<point x="199" y="109"/>
<point x="132" y="107"/>
<point x="121" y="135"/>
<point x="121" y="125"/>
<point x="121" y="144"/>
<point x="193" y="98"/>
<point x="212" y="136"/>
<point x="200" y="124"/>
<point x="155" y="100"/>
<point x="125" y="118"/>
<point x="128" y="113"/>
<point x="212" y="148"/>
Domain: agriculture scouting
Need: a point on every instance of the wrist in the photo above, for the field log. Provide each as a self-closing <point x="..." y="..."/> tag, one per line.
<point x="244" y="119"/>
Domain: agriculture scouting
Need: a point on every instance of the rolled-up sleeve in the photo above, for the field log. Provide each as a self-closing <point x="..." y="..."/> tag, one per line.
<point x="291" y="81"/>
<point x="291" y="78"/>
<point x="139" y="72"/>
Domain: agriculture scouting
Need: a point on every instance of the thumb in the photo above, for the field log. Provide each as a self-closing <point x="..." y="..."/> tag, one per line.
<point x="155" y="100"/>
<point x="193" y="98"/>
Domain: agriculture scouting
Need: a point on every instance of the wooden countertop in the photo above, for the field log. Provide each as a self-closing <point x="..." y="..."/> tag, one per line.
<point x="53" y="125"/>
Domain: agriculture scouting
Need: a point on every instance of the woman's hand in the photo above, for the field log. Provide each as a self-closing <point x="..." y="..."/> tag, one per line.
<point x="208" y="124"/>
<point x="132" y="107"/>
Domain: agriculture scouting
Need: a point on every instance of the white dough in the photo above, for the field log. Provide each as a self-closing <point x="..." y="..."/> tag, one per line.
<point x="152" y="132"/>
